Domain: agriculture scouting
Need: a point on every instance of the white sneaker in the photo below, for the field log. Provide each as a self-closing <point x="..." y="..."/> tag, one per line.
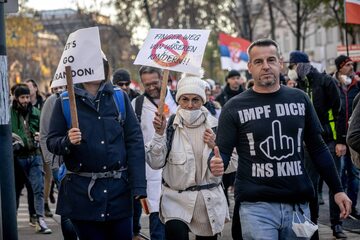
<point x="41" y="226"/>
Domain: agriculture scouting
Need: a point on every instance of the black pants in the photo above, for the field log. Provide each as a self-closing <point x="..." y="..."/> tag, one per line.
<point x="92" y="230"/>
<point x="178" y="230"/>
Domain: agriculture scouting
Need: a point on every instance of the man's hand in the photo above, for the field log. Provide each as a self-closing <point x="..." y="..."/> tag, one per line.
<point x="74" y="135"/>
<point x="340" y="149"/>
<point x="216" y="164"/>
<point x="344" y="203"/>
<point x="209" y="138"/>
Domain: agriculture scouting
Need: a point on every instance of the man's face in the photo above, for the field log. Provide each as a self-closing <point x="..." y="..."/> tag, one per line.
<point x="125" y="86"/>
<point x="347" y="69"/>
<point x="32" y="88"/>
<point x="24" y="100"/>
<point x="234" y="82"/>
<point x="265" y="65"/>
<point x="152" y="84"/>
<point x="59" y="89"/>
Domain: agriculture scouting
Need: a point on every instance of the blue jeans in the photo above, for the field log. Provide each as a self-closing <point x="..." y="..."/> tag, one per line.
<point x="350" y="179"/>
<point x="33" y="168"/>
<point x="268" y="221"/>
<point x="157" y="228"/>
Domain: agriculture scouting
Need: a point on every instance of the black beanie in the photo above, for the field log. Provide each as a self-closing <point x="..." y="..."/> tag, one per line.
<point x="121" y="75"/>
<point x="341" y="60"/>
<point x="21" y="90"/>
<point x="298" y="57"/>
<point x="231" y="74"/>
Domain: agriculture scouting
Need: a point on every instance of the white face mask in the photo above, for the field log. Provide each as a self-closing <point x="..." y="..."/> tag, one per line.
<point x="347" y="80"/>
<point x="190" y="116"/>
<point x="292" y="74"/>
<point x="303" y="229"/>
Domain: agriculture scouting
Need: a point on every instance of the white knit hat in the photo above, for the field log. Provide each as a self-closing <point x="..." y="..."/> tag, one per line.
<point x="191" y="85"/>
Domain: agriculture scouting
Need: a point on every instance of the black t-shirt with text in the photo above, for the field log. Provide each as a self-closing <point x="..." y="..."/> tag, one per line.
<point x="268" y="131"/>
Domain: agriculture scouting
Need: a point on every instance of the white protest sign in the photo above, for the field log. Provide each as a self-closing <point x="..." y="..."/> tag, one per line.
<point x="83" y="53"/>
<point x="180" y="50"/>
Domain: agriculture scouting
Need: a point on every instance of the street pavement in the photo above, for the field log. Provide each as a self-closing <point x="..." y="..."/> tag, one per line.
<point x="26" y="232"/>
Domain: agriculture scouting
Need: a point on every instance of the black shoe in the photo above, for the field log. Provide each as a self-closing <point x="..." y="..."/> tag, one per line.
<point x="52" y="198"/>
<point x="338" y="232"/>
<point x="32" y="220"/>
<point x="48" y="212"/>
<point x="355" y="213"/>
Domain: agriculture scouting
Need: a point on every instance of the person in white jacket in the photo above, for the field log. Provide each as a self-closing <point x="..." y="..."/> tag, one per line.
<point x="192" y="198"/>
<point x="151" y="80"/>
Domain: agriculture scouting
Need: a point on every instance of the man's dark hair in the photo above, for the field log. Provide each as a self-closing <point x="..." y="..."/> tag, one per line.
<point x="32" y="81"/>
<point x="264" y="42"/>
<point x="150" y="70"/>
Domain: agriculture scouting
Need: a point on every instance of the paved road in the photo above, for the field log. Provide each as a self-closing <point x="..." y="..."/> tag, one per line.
<point x="27" y="232"/>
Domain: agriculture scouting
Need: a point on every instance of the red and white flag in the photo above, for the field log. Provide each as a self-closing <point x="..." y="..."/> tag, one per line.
<point x="352" y="11"/>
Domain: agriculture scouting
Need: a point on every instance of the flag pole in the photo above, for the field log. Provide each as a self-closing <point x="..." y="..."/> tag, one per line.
<point x="346" y="40"/>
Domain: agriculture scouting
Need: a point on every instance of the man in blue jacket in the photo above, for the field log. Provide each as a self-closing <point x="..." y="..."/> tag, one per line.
<point x="105" y="164"/>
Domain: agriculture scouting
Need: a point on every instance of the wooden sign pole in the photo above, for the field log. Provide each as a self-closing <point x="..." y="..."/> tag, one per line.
<point x="163" y="91"/>
<point x="70" y="89"/>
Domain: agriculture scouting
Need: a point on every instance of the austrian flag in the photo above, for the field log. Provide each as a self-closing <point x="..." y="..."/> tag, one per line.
<point x="352" y="11"/>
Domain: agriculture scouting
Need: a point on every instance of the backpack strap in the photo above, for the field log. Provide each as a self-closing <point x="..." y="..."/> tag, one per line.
<point x="65" y="103"/>
<point x="173" y="94"/>
<point x="169" y="134"/>
<point x="119" y="101"/>
<point x="139" y="101"/>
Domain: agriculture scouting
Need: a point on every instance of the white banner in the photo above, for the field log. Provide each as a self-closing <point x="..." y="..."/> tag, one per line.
<point x="83" y="53"/>
<point x="180" y="50"/>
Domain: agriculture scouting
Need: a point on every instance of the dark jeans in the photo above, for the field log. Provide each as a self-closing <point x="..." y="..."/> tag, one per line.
<point x="21" y="180"/>
<point x="67" y="228"/>
<point x="157" y="228"/>
<point x="137" y="215"/>
<point x="350" y="179"/>
<point x="178" y="230"/>
<point x="314" y="202"/>
<point x="236" y="225"/>
<point x="228" y="180"/>
<point x="92" y="230"/>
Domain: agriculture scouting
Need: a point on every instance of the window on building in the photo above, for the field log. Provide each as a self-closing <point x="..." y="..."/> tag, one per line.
<point x="329" y="35"/>
<point x="318" y="38"/>
<point x="286" y="42"/>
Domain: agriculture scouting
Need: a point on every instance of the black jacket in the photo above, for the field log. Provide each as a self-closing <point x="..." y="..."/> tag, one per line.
<point x="226" y="94"/>
<point x="353" y="135"/>
<point x="324" y="94"/>
<point x="347" y="97"/>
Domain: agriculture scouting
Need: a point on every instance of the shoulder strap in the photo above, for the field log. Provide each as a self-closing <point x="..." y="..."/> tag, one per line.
<point x="139" y="101"/>
<point x="65" y="103"/>
<point x="173" y="94"/>
<point x="119" y="100"/>
<point x="169" y="134"/>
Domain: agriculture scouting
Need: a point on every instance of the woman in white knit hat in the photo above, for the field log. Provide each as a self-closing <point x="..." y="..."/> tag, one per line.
<point x="192" y="197"/>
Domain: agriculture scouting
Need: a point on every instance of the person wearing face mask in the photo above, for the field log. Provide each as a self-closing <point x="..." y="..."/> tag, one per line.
<point x="349" y="87"/>
<point x="192" y="197"/>
<point x="322" y="91"/>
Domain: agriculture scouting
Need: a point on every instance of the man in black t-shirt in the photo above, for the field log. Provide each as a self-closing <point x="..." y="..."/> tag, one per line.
<point x="268" y="125"/>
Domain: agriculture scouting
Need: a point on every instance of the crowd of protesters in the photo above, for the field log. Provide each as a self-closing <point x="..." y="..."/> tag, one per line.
<point x="271" y="140"/>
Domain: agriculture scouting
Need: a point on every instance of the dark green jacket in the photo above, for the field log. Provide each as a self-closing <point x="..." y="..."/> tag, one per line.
<point x="18" y="127"/>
